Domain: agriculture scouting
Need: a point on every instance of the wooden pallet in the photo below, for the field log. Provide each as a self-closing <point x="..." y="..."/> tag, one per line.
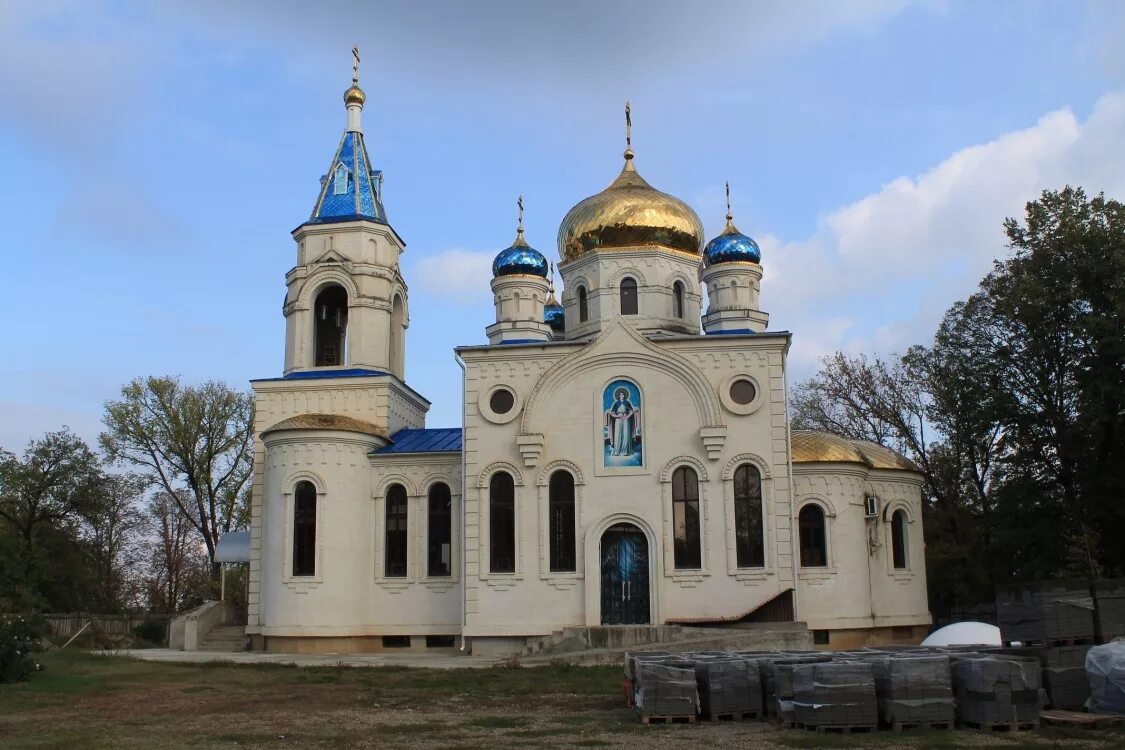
<point x="1002" y="726"/>
<point x="838" y="729"/>
<point x="654" y="719"/>
<point x="900" y="726"/>
<point x="1080" y="719"/>
<point x="732" y="716"/>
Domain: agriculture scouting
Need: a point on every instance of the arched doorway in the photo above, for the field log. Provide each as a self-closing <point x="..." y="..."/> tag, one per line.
<point x="624" y="576"/>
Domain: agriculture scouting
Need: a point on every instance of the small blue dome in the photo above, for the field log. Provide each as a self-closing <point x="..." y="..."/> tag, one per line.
<point x="553" y="314"/>
<point x="731" y="245"/>
<point x="520" y="258"/>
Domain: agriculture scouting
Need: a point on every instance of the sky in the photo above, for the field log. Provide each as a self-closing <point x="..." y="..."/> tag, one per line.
<point x="154" y="158"/>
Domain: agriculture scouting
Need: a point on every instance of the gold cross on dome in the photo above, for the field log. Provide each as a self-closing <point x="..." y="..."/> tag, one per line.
<point x="628" y="124"/>
<point x="519" y="203"/>
<point x="355" y="64"/>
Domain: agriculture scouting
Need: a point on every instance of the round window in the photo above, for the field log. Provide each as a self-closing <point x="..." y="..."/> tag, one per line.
<point x="742" y="392"/>
<point x="501" y="401"/>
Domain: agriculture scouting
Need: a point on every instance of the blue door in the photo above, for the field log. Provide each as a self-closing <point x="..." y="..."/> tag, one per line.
<point x="624" y="576"/>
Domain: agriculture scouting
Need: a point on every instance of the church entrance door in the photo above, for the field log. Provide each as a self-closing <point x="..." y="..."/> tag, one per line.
<point x="625" y="594"/>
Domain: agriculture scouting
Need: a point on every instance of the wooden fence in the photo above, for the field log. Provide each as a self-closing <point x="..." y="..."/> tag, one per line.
<point x="65" y="625"/>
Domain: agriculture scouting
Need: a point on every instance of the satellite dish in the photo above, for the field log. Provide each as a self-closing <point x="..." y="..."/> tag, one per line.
<point x="965" y="634"/>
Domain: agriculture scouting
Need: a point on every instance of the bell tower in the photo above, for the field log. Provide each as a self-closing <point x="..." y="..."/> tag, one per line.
<point x="346" y="304"/>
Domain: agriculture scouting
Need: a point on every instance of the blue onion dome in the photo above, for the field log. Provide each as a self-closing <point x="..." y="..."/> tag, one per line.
<point x="553" y="314"/>
<point x="520" y="258"/>
<point x="731" y="245"/>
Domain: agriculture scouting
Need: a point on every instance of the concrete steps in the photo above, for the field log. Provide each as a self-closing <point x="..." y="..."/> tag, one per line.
<point x="608" y="644"/>
<point x="225" y="638"/>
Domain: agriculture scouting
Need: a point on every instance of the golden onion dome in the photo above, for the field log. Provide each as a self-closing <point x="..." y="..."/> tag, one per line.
<point x="629" y="213"/>
<point x="355" y="95"/>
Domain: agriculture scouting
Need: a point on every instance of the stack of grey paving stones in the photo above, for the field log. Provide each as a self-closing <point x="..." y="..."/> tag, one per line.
<point x="667" y="689"/>
<point x="1064" y="676"/>
<point x="835" y="694"/>
<point x="728" y="685"/>
<point x="1044" y="612"/>
<point x="996" y="689"/>
<point x="1111" y="607"/>
<point x="914" y="689"/>
<point x="777" y="683"/>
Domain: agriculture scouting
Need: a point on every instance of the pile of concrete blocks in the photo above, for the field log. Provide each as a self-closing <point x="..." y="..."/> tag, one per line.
<point x="1111" y="607"/>
<point x="914" y="688"/>
<point x="1064" y="676"/>
<point x="728" y="685"/>
<point x="996" y="689"/>
<point x="777" y="683"/>
<point x="835" y="694"/>
<point x="666" y="690"/>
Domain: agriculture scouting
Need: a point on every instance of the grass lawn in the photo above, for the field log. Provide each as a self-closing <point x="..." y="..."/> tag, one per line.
<point x="86" y="701"/>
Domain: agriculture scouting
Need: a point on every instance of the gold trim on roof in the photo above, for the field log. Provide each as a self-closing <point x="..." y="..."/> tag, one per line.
<point x="812" y="446"/>
<point x="327" y="422"/>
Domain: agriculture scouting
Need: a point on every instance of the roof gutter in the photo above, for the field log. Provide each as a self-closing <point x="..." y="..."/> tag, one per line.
<point x="464" y="489"/>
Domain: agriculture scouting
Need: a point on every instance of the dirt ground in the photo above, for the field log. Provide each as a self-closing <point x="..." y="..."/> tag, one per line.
<point x="86" y="701"/>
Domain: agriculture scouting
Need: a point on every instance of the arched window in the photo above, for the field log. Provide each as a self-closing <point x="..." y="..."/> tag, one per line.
<point x="628" y="296"/>
<point x="397" y="360"/>
<point x="749" y="539"/>
<point x="678" y="299"/>
<point x="810" y="524"/>
<point x="331" y="324"/>
<point x="502" y="523"/>
<point x="439" y="553"/>
<point x="685" y="518"/>
<point x="898" y="539"/>
<point x="561" y="532"/>
<point x="394" y="565"/>
<point x="304" y="529"/>
<point x="583" y="306"/>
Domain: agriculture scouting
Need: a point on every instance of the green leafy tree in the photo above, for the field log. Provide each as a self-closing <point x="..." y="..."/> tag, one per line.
<point x="195" y="442"/>
<point x="41" y="496"/>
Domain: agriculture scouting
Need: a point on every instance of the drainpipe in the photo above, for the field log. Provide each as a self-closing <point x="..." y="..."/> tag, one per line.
<point x="793" y="550"/>
<point x="464" y="492"/>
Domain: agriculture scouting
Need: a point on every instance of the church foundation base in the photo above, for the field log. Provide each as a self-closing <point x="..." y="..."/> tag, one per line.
<point x="839" y="640"/>
<point x="360" y="644"/>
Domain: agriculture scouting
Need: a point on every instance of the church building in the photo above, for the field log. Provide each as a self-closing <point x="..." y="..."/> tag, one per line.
<point x="624" y="454"/>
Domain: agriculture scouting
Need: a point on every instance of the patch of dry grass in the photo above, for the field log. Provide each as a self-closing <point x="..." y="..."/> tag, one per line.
<point x="108" y="702"/>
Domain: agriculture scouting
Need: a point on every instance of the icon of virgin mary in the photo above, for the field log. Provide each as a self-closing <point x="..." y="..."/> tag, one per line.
<point x="623" y="426"/>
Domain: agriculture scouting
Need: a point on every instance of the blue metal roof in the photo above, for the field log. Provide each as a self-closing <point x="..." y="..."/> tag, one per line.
<point x="438" y="440"/>
<point x="355" y="195"/>
<point x="351" y="372"/>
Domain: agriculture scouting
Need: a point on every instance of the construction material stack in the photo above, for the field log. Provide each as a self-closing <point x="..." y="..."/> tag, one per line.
<point x="729" y="687"/>
<point x="666" y="690"/>
<point x="835" y="695"/>
<point x="914" y="690"/>
<point x="994" y="691"/>
<point x="1064" y="676"/>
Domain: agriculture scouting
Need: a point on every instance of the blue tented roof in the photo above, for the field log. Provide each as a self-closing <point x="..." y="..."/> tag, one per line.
<point x="438" y="440"/>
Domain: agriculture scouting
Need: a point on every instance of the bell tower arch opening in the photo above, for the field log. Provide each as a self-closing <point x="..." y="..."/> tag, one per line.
<point x="397" y="359"/>
<point x="330" y="329"/>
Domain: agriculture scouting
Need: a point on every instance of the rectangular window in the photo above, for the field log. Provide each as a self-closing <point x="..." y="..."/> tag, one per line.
<point x="441" y="641"/>
<point x="820" y="637"/>
<point x="502" y="524"/>
<point x="304" y="530"/>
<point x="396" y="641"/>
<point x="395" y="558"/>
<point x="685" y="519"/>
<point x="439" y="547"/>
<point x="561" y="510"/>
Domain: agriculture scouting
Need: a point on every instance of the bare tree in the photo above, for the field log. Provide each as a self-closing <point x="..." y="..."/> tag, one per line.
<point x="195" y="443"/>
<point x="174" y="554"/>
<point x="113" y="522"/>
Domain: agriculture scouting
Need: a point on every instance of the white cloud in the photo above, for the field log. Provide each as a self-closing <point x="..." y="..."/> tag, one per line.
<point x="456" y="275"/>
<point x="879" y="272"/>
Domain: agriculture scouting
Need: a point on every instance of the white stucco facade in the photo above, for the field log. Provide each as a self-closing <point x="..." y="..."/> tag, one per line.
<point x="628" y="465"/>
